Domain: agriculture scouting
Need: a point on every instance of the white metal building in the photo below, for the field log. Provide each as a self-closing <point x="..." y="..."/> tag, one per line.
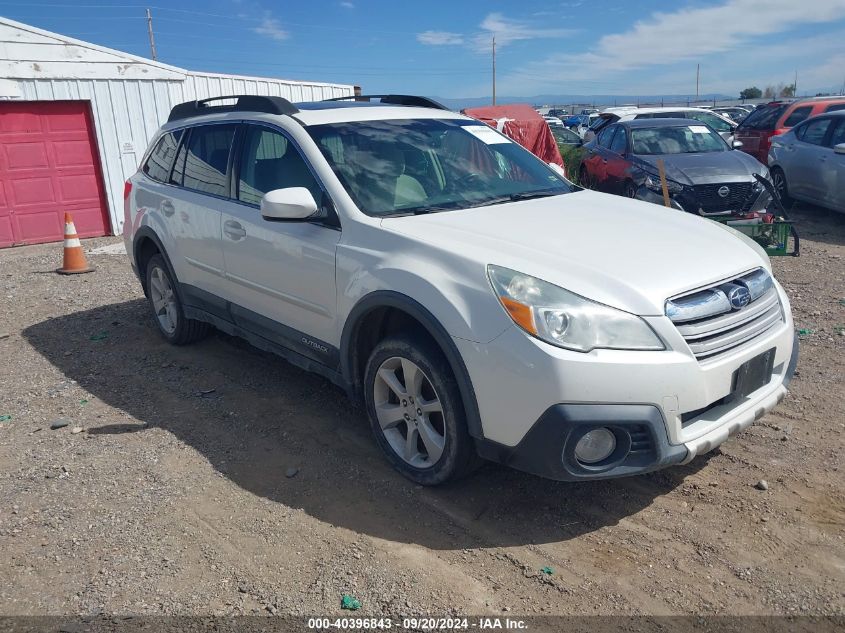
<point x="75" y="119"/>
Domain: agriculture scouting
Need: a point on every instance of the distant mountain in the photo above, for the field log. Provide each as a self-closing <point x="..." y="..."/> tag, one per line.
<point x="566" y="100"/>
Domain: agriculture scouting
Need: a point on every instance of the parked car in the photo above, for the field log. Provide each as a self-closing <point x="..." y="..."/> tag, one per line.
<point x="552" y="120"/>
<point x="580" y="122"/>
<point x="589" y="111"/>
<point x="808" y="162"/>
<point x="733" y="112"/>
<point x="560" y="113"/>
<point x="722" y="124"/>
<point x="704" y="174"/>
<point x="475" y="301"/>
<point x="778" y="117"/>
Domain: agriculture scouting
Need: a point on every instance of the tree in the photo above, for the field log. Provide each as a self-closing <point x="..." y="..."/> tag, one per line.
<point x="787" y="91"/>
<point x="751" y="93"/>
<point x="769" y="92"/>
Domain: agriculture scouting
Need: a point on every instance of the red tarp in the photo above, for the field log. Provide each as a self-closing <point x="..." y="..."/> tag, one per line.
<point x="523" y="124"/>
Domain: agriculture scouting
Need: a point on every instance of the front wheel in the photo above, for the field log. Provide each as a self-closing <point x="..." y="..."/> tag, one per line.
<point x="416" y="412"/>
<point x="779" y="182"/>
<point x="630" y="189"/>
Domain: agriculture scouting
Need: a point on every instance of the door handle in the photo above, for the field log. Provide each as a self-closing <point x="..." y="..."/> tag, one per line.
<point x="234" y="229"/>
<point x="167" y="207"/>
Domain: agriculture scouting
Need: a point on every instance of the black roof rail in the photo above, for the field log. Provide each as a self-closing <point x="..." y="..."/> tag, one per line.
<point x="403" y="100"/>
<point x="244" y="103"/>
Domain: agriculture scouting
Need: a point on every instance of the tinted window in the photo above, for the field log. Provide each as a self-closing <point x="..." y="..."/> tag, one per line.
<point x="207" y="158"/>
<point x="605" y="136"/>
<point x="815" y="131"/>
<point x="763" y="118"/>
<point x="644" y="116"/>
<point x="834" y="107"/>
<point x="269" y="161"/>
<point x="620" y="141"/>
<point x="160" y="160"/>
<point x="797" y="115"/>
<point x="838" y="135"/>
<point x="179" y="163"/>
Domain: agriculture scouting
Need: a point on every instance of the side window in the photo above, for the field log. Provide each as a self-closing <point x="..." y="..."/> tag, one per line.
<point x="815" y="130"/>
<point x="644" y="116"/>
<point x="268" y="162"/>
<point x="838" y="135"/>
<point x="717" y="123"/>
<point x="160" y="160"/>
<point x="797" y="115"/>
<point x="606" y="135"/>
<point x="206" y="157"/>
<point x="620" y="141"/>
<point x="834" y="107"/>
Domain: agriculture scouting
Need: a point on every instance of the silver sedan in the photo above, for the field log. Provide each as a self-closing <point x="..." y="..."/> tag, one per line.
<point x="808" y="162"/>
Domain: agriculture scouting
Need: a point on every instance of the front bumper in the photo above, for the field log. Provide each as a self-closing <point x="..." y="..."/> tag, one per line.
<point x="536" y="399"/>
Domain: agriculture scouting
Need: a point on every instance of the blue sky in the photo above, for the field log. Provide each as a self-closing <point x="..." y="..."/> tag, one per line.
<point x="443" y="48"/>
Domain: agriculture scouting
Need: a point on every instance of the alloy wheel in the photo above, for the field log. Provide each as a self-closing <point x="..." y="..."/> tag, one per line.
<point x="409" y="412"/>
<point x="164" y="300"/>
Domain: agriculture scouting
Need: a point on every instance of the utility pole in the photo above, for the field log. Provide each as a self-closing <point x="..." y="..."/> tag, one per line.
<point x="150" y="33"/>
<point x="697" y="75"/>
<point x="494" y="69"/>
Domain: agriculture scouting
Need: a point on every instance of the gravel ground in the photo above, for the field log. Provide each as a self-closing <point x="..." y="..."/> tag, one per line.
<point x="216" y="479"/>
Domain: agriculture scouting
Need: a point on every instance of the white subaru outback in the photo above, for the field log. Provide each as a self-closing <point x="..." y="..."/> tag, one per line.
<point x="476" y="302"/>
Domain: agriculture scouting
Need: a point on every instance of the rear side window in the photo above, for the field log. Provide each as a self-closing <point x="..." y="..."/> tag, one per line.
<point x="206" y="157"/>
<point x="763" y="118"/>
<point x="160" y="160"/>
<point x="838" y="135"/>
<point x="833" y="107"/>
<point x="815" y="130"/>
<point x="604" y="137"/>
<point x="797" y="115"/>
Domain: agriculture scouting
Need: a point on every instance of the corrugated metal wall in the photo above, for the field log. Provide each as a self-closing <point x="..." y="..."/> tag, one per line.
<point x="127" y="112"/>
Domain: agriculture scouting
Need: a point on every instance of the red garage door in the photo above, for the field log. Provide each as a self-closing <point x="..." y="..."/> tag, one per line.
<point x="48" y="165"/>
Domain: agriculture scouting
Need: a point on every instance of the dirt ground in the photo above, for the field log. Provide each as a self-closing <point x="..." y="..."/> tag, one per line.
<point x="175" y="497"/>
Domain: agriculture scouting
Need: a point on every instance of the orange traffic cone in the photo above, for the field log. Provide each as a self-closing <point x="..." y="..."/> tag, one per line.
<point x="74" y="258"/>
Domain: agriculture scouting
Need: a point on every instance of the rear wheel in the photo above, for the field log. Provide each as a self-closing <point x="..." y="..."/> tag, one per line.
<point x="416" y="412"/>
<point x="779" y="181"/>
<point x="167" y="307"/>
<point x="630" y="189"/>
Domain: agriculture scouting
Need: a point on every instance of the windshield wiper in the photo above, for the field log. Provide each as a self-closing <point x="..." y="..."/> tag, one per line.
<point x="525" y="195"/>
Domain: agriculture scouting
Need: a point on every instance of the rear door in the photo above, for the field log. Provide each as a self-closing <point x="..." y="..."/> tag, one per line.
<point x="597" y="156"/>
<point x="833" y="175"/>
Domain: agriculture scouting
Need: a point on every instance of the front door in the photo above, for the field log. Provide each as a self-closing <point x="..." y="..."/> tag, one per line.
<point x="280" y="275"/>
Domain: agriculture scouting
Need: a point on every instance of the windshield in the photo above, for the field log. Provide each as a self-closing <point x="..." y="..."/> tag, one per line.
<point x="424" y="165"/>
<point x="681" y="139"/>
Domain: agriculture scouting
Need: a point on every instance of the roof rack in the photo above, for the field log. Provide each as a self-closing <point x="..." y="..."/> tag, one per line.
<point x="403" y="100"/>
<point x="243" y="103"/>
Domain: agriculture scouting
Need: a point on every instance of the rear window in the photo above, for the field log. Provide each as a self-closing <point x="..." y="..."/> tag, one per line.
<point x="833" y="107"/>
<point x="797" y="115"/>
<point x="763" y="118"/>
<point x="160" y="160"/>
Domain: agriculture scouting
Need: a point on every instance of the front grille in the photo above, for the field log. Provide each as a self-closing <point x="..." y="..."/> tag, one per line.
<point x="738" y="198"/>
<point x="714" y="320"/>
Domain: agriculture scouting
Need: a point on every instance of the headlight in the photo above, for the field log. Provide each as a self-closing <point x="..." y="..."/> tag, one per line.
<point x="564" y="319"/>
<point x="653" y="183"/>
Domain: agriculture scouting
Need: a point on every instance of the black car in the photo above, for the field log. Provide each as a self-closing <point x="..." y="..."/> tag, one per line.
<point x="704" y="174"/>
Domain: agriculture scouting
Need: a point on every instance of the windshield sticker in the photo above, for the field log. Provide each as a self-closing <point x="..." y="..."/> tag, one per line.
<point x="486" y="134"/>
<point x="699" y="129"/>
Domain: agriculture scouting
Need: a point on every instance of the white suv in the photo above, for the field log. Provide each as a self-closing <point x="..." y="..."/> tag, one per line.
<point x="474" y="300"/>
<point x="721" y="124"/>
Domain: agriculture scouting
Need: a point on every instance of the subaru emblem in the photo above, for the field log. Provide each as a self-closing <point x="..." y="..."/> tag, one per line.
<point x="739" y="297"/>
<point x="723" y="192"/>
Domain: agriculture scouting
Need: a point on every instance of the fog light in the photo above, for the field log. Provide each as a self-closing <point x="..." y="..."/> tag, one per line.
<point x="595" y="445"/>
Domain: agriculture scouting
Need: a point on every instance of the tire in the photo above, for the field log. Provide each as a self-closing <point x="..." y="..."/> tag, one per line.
<point x="584" y="177"/>
<point x="166" y="306"/>
<point x="441" y="449"/>
<point x="779" y="181"/>
<point x="629" y="189"/>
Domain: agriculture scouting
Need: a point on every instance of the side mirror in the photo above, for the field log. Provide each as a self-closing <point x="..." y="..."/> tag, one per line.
<point x="736" y="144"/>
<point x="292" y="203"/>
<point x="839" y="148"/>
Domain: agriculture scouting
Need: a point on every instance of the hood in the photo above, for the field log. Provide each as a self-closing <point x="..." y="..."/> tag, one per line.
<point x="704" y="168"/>
<point x="624" y="253"/>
